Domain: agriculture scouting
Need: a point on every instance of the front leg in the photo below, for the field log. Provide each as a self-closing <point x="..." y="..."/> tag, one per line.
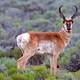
<point x="53" y="65"/>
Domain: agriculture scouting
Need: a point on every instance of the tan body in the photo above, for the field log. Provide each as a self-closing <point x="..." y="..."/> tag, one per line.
<point x="55" y="42"/>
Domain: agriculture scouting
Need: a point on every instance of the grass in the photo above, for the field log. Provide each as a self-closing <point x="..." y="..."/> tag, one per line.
<point x="33" y="72"/>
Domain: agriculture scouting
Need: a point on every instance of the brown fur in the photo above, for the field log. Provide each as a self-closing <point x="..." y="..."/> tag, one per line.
<point x="55" y="37"/>
<point x="58" y="38"/>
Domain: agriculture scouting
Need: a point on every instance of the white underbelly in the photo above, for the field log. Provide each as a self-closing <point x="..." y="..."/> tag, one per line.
<point x="45" y="47"/>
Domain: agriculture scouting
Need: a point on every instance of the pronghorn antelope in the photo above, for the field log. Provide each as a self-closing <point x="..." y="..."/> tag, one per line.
<point x="51" y="43"/>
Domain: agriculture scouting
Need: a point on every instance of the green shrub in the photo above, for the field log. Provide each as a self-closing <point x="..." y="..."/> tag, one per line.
<point x="8" y="62"/>
<point x="12" y="71"/>
<point x="64" y="75"/>
<point x="31" y="75"/>
<point x="50" y="77"/>
<point x="3" y="68"/>
<point x="66" y="56"/>
<point x="78" y="44"/>
<point x="16" y="53"/>
<point x="58" y="24"/>
<point x="8" y="78"/>
<point x="18" y="76"/>
<point x="2" y="76"/>
<point x="38" y="72"/>
<point x="2" y="54"/>
<point x="77" y="75"/>
<point x="41" y="71"/>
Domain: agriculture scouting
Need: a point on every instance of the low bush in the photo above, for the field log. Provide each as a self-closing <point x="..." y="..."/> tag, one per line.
<point x="12" y="71"/>
<point x="18" y="76"/>
<point x="65" y="75"/>
<point x="33" y="72"/>
<point x="15" y="53"/>
<point x="2" y="68"/>
<point x="74" y="63"/>
<point x="66" y="56"/>
<point x="2" y="76"/>
<point x="50" y="77"/>
<point x="2" y="54"/>
<point x="41" y="71"/>
<point x="77" y="75"/>
<point x="9" y="63"/>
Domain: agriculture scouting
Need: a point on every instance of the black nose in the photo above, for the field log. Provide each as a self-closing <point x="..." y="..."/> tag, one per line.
<point x="68" y="28"/>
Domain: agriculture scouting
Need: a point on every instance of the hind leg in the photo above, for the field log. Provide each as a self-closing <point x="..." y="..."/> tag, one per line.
<point x="21" y="62"/>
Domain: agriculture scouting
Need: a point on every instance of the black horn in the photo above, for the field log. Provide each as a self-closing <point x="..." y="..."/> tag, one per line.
<point x="74" y="15"/>
<point x="61" y="14"/>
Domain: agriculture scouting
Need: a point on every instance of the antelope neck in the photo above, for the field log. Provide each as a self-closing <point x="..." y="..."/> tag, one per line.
<point x="66" y="35"/>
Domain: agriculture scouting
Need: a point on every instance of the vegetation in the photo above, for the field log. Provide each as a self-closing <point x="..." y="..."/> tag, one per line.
<point x="18" y="16"/>
<point x="34" y="73"/>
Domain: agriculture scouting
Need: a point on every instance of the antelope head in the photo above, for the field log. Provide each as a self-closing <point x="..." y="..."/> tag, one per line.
<point x="67" y="22"/>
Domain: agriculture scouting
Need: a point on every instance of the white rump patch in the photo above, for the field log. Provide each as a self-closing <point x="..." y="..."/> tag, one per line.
<point x="22" y="40"/>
